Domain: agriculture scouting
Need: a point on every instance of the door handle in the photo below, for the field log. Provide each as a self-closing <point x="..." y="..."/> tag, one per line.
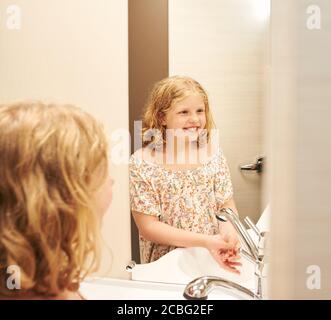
<point x="257" y="166"/>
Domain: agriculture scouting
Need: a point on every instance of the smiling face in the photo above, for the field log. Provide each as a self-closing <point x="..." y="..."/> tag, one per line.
<point x="179" y="103"/>
<point x="187" y="115"/>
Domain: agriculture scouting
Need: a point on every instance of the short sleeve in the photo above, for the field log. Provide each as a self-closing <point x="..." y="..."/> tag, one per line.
<point x="143" y="197"/>
<point x="223" y="185"/>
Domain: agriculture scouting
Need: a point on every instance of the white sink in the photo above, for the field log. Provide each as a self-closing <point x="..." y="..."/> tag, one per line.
<point x="197" y="262"/>
<point x="182" y="265"/>
<point x="114" y="289"/>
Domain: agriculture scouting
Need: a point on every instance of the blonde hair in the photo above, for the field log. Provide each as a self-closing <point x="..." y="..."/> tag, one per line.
<point x="48" y="228"/>
<point x="161" y="99"/>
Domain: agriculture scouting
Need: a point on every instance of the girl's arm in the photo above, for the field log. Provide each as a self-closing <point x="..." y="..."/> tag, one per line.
<point x="159" y="232"/>
<point x="227" y="230"/>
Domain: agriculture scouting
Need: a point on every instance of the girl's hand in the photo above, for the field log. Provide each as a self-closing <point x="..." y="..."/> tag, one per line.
<point x="224" y="253"/>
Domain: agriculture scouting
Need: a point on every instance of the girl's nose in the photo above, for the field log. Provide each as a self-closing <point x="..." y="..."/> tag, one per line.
<point x="194" y="119"/>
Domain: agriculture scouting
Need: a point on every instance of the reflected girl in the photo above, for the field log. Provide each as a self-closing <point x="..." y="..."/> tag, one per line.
<point x="174" y="204"/>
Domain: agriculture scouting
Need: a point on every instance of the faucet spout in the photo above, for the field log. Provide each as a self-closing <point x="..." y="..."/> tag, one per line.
<point x="200" y="287"/>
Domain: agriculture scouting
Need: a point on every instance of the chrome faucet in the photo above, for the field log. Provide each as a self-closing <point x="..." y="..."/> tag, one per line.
<point x="200" y="287"/>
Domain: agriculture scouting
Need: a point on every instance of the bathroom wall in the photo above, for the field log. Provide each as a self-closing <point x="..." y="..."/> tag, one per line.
<point x="224" y="46"/>
<point x="75" y="51"/>
<point x="299" y="145"/>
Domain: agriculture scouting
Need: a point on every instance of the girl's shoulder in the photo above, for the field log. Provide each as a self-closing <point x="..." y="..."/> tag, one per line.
<point x="141" y="157"/>
<point x="141" y="165"/>
<point x="137" y="154"/>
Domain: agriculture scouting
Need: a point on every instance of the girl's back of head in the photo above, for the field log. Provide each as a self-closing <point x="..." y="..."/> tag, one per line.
<point x="49" y="156"/>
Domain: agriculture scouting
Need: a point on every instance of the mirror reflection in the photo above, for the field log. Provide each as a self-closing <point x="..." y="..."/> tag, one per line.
<point x="175" y="201"/>
<point x="202" y="143"/>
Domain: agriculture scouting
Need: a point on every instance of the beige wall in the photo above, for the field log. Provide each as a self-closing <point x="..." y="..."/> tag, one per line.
<point x="282" y="142"/>
<point x="76" y="51"/>
<point x="300" y="139"/>
<point x="222" y="44"/>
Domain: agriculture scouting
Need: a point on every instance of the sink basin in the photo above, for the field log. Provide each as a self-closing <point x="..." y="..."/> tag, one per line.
<point x="115" y="289"/>
<point x="197" y="262"/>
<point x="182" y="265"/>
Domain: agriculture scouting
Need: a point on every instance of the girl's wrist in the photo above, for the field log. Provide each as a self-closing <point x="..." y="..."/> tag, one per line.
<point x="206" y="240"/>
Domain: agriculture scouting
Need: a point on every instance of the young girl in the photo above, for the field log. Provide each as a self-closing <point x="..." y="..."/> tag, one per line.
<point x="54" y="190"/>
<point x="174" y="198"/>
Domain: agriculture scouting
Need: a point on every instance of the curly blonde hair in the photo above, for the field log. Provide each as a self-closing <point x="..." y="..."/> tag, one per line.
<point x="48" y="226"/>
<point x="161" y="99"/>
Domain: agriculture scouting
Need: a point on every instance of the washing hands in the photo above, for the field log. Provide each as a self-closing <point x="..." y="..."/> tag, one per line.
<point x="224" y="248"/>
<point x="231" y="256"/>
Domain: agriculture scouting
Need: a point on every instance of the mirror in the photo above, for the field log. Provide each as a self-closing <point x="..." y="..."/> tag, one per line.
<point x="223" y="45"/>
<point x="81" y="57"/>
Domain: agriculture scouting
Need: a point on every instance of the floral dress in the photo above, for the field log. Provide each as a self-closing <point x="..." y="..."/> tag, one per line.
<point x="186" y="199"/>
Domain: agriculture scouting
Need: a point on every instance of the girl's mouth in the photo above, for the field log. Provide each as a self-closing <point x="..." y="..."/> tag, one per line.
<point x="191" y="129"/>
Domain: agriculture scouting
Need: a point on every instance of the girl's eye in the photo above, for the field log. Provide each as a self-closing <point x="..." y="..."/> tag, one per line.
<point x="201" y="110"/>
<point x="183" y="112"/>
